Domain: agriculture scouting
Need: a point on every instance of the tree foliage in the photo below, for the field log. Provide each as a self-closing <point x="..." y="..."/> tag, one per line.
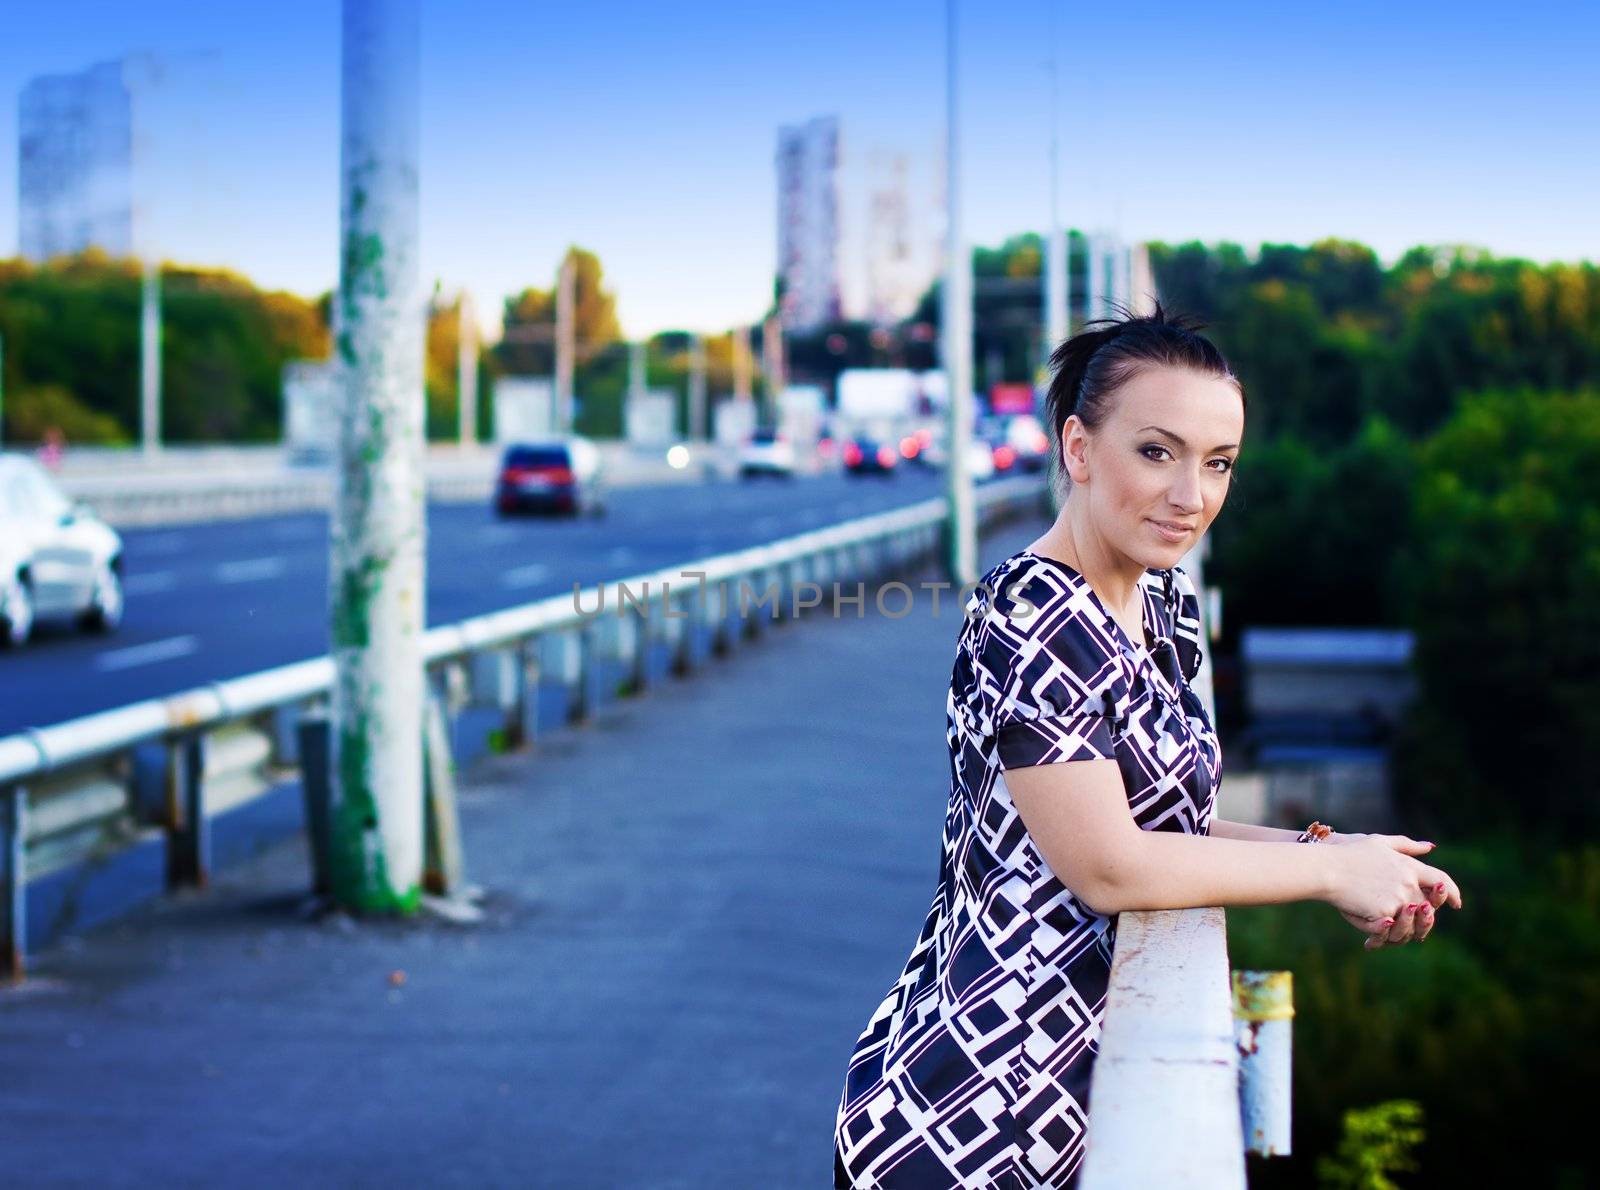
<point x="71" y="360"/>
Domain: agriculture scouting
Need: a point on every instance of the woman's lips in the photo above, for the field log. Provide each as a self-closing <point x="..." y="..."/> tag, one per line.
<point x="1172" y="531"/>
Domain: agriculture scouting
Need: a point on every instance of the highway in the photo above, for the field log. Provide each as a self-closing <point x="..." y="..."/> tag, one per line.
<point x="218" y="600"/>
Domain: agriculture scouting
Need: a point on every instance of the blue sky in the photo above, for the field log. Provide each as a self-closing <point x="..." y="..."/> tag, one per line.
<point x="645" y="131"/>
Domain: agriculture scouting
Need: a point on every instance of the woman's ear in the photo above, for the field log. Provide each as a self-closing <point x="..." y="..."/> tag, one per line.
<point x="1074" y="448"/>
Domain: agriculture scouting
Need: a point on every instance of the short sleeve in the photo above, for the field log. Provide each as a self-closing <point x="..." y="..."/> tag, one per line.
<point x="1065" y="687"/>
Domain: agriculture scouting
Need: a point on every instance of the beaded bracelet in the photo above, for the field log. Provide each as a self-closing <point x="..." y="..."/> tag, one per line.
<point x="1314" y="833"/>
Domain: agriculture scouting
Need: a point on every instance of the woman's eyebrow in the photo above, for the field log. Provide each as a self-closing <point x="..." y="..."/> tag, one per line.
<point x="1181" y="442"/>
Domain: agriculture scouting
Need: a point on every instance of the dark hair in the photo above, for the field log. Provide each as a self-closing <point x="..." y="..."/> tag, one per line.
<point x="1089" y="367"/>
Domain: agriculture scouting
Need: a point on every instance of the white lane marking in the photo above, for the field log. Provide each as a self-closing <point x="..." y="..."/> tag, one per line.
<point x="525" y="576"/>
<point x="147" y="654"/>
<point x="147" y="584"/>
<point x="250" y="570"/>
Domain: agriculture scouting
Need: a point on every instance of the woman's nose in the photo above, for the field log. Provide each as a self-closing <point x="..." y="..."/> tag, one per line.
<point x="1185" y="491"/>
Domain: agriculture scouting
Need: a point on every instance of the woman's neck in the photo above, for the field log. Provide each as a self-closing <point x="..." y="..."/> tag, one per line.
<point x="1112" y="575"/>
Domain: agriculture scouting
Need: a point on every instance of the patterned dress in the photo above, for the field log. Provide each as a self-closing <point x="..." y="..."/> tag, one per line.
<point x="974" y="1071"/>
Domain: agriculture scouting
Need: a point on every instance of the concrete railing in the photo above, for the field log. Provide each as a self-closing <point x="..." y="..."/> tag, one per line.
<point x="1165" y="1104"/>
<point x="170" y="765"/>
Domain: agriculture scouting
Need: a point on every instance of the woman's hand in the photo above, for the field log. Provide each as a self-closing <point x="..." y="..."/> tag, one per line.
<point x="1384" y="891"/>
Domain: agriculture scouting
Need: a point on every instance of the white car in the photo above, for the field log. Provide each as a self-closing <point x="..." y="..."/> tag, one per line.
<point x="767" y="452"/>
<point x="58" y="561"/>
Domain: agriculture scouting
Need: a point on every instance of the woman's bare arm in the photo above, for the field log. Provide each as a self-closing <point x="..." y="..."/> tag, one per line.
<point x="1222" y="828"/>
<point x="1078" y="814"/>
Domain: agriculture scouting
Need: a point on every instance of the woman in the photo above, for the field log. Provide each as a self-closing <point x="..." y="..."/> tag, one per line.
<point x="1084" y="772"/>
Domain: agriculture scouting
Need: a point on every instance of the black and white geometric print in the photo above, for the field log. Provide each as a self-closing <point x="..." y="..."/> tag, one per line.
<point x="974" y="1071"/>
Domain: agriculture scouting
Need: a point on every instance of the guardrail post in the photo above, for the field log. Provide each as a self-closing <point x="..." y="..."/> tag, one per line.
<point x="721" y="637"/>
<point x="316" y="787"/>
<point x="14" y="881"/>
<point x="1263" y="1014"/>
<point x="188" y="832"/>
<point x="443" y="866"/>
<point x="583" y="694"/>
<point x="639" y="668"/>
<point x="749" y="626"/>
<point x="785" y="582"/>
<point x="689" y="614"/>
<point x="524" y="728"/>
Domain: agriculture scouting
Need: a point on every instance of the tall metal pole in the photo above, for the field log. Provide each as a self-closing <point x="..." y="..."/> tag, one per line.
<point x="150" y="356"/>
<point x="1142" y="280"/>
<point x="1094" y="277"/>
<point x="565" y="352"/>
<point x="467" y="369"/>
<point x="961" y="560"/>
<point x="741" y="363"/>
<point x="697" y="389"/>
<point x="772" y="361"/>
<point x="1055" y="256"/>
<point x="636" y="370"/>
<point x="377" y="577"/>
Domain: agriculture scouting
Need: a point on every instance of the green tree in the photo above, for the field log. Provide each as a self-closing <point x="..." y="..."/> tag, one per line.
<point x="1503" y="601"/>
<point x="1378" y="1141"/>
<point x="528" y="344"/>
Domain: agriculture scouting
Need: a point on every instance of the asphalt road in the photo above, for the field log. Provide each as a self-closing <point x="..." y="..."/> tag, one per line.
<point x="218" y="600"/>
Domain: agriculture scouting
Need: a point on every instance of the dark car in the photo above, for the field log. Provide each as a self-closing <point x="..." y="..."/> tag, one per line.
<point x="868" y="456"/>
<point x="561" y="476"/>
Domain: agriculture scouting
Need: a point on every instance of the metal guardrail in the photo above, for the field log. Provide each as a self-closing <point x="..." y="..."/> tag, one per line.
<point x="264" y="484"/>
<point x="89" y="781"/>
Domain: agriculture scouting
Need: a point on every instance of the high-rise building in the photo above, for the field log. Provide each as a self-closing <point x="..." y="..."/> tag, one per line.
<point x="75" y="163"/>
<point x="889" y="234"/>
<point x="808" y="223"/>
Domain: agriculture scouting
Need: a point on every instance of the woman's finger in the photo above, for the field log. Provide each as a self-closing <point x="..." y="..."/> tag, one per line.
<point x="1439" y="879"/>
<point x="1424" y="924"/>
<point x="1404" y="924"/>
<point x="1407" y="845"/>
<point x="1375" y="928"/>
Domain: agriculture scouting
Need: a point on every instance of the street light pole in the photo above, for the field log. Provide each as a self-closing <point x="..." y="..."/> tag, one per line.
<point x="1056" y="263"/>
<point x="741" y="363"/>
<point x="566" y="285"/>
<point x="961" y="542"/>
<point x="467" y="369"/>
<point x="377" y="571"/>
<point x="697" y="389"/>
<point x="150" y="356"/>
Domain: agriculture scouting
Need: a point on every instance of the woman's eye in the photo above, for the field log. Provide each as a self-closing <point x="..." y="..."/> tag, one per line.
<point x="1152" y="450"/>
<point x="1227" y="466"/>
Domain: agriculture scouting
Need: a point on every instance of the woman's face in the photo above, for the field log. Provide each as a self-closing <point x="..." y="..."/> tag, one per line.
<point x="1158" y="469"/>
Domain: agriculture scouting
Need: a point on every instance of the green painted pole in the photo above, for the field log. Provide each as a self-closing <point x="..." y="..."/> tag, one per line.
<point x="377" y="549"/>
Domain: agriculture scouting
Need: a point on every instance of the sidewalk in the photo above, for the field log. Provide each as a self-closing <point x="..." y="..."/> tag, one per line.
<point x="694" y="905"/>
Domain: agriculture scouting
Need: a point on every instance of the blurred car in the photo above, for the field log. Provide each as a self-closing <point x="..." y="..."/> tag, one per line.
<point x="58" y="561"/>
<point x="558" y="475"/>
<point x="1025" y="435"/>
<point x="767" y="452"/>
<point x="870" y="456"/>
<point x="980" y="461"/>
<point x="980" y="456"/>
